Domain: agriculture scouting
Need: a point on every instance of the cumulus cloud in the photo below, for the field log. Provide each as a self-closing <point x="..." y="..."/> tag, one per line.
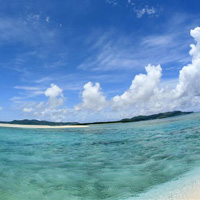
<point x="142" y="88"/>
<point x="51" y="109"/>
<point x="55" y="95"/>
<point x="189" y="77"/>
<point x="92" y="98"/>
<point x="53" y="91"/>
<point x="145" y="95"/>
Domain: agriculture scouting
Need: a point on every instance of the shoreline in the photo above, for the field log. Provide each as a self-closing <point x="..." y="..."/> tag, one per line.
<point x="186" y="187"/>
<point x="41" y="126"/>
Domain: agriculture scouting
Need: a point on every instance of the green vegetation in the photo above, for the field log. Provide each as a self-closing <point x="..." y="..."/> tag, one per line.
<point x="134" y="119"/>
<point x="145" y="118"/>
<point x="38" y="122"/>
<point x="156" y="116"/>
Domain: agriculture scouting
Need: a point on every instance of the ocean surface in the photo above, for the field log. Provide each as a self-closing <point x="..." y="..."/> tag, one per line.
<point x="116" y="161"/>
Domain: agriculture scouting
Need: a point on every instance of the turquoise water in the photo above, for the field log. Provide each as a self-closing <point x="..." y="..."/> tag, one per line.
<point x="118" y="161"/>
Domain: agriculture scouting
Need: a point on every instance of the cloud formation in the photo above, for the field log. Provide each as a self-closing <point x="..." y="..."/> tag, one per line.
<point x="112" y="53"/>
<point x="92" y="98"/>
<point x="29" y="31"/>
<point x="51" y="109"/>
<point x="146" y="10"/>
<point x="138" y="8"/>
<point x="189" y="77"/>
<point x="142" y="88"/>
<point x="27" y="110"/>
<point x="56" y="97"/>
<point x="144" y="96"/>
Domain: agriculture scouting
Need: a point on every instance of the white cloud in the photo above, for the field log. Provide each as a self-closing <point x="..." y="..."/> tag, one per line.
<point x="27" y="92"/>
<point x="109" y="58"/>
<point x="140" y="13"/>
<point x="53" y="91"/>
<point x="47" y="19"/>
<point x="92" y="97"/>
<point x="33" y="18"/>
<point x="51" y="109"/>
<point x="30" y="31"/>
<point x="1" y="108"/>
<point x="159" y="40"/>
<point x="146" y="10"/>
<point x="43" y="80"/>
<point x="189" y="77"/>
<point x="111" y="53"/>
<point x="58" y="114"/>
<point x="27" y="110"/>
<point x="112" y="2"/>
<point x="142" y="88"/>
<point x="150" y="11"/>
<point x="137" y="7"/>
<point x="147" y="94"/>
<point x="56" y="97"/>
<point x="27" y="88"/>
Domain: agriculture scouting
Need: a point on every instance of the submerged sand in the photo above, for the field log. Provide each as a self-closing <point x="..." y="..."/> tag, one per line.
<point x="184" y="188"/>
<point x="41" y="126"/>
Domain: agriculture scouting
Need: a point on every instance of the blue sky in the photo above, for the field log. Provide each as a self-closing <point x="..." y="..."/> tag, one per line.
<point x="69" y="46"/>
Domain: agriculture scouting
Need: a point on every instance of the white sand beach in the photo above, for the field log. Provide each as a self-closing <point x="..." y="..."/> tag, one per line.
<point x="41" y="126"/>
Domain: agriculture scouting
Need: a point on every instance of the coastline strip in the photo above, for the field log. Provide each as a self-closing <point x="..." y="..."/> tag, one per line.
<point x="41" y="126"/>
<point x="186" y="187"/>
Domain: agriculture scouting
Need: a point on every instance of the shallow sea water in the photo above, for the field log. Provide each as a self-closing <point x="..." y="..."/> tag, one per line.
<point x="114" y="162"/>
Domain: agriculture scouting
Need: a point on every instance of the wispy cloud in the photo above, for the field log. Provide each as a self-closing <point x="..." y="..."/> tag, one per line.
<point x="45" y="79"/>
<point x="150" y="11"/>
<point x="47" y="19"/>
<point x="30" y="31"/>
<point x="139" y="8"/>
<point x="110" y="57"/>
<point x="144" y="96"/>
<point x="111" y="53"/>
<point x="112" y="2"/>
<point x="27" y="92"/>
<point x="27" y="88"/>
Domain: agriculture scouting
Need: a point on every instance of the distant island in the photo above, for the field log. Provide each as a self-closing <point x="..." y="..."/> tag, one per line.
<point x="38" y="122"/>
<point x="133" y="119"/>
<point x="145" y="117"/>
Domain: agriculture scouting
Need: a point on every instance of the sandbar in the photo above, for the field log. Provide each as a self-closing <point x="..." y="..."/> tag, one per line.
<point x="41" y="126"/>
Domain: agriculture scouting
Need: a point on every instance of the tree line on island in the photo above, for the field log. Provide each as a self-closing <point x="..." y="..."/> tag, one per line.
<point x="133" y="119"/>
